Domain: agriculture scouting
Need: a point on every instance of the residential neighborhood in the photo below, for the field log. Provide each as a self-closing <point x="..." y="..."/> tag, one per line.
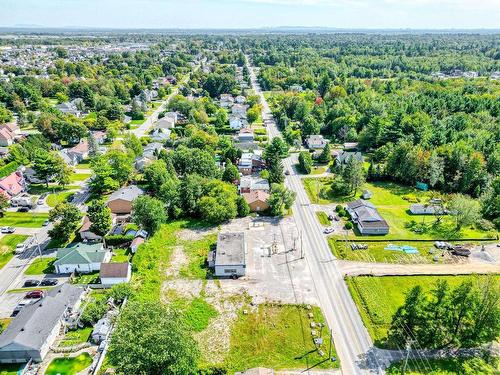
<point x="254" y="201"/>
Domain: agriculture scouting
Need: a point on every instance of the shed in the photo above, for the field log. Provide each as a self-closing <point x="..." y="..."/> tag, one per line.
<point x="115" y="273"/>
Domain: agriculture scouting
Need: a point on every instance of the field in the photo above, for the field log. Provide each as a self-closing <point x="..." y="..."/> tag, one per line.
<point x="196" y="252"/>
<point x="7" y="245"/>
<point x="278" y="337"/>
<point x="23" y="219"/>
<point x="378" y="298"/>
<point x="78" y="177"/>
<point x="41" y="266"/>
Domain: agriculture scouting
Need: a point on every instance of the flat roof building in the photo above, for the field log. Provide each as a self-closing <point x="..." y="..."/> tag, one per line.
<point x="229" y="259"/>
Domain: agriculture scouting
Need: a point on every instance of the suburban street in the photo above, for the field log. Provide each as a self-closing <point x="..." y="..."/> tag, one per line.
<point x="352" y="341"/>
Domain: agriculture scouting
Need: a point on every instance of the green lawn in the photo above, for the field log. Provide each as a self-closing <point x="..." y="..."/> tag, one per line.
<point x="76" y="337"/>
<point x="8" y="244"/>
<point x="54" y="199"/>
<point x="137" y="122"/>
<point x="38" y="189"/>
<point x="41" y="266"/>
<point x="378" y="298"/>
<point x="323" y="218"/>
<point x="77" y="177"/>
<point x="23" y="219"/>
<point x="85" y="164"/>
<point x="448" y="366"/>
<point x="196" y="313"/>
<point x="69" y="366"/>
<point x="277" y="337"/>
<point x="25" y="290"/>
<point x="120" y="256"/>
<point x="318" y="189"/>
<point x="87" y="278"/>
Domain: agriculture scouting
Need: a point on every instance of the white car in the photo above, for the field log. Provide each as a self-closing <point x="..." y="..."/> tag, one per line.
<point x="20" y="248"/>
<point x="328" y="230"/>
<point x="7" y="230"/>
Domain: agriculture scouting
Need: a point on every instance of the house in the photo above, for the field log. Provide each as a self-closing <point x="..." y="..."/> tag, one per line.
<point x="136" y="242"/>
<point x="33" y="331"/>
<point x="366" y="217"/>
<point x="240" y="99"/>
<point x="345" y="156"/>
<point x="257" y="200"/>
<point x="172" y="115"/>
<point x="115" y="273"/>
<point x="152" y="149"/>
<point x="142" y="162"/>
<point x="366" y="194"/>
<point x="67" y="158"/>
<point x="13" y="184"/>
<point x="86" y="234"/>
<point x="99" y="136"/>
<point x="316" y="142"/>
<point x="164" y="123"/>
<point x="226" y="100"/>
<point x="160" y="135"/>
<point x="120" y="202"/>
<point x="30" y="176"/>
<point x="239" y="110"/>
<point x="229" y="258"/>
<point x="296" y="88"/>
<point x="426" y="209"/>
<point x="6" y="137"/>
<point x="249" y="184"/>
<point x="101" y="330"/>
<point x="23" y="200"/>
<point x="76" y="154"/>
<point x="245" y="135"/>
<point x="237" y="123"/>
<point x="82" y="258"/>
<point x="350" y="146"/>
<point x="245" y="164"/>
<point x="69" y="108"/>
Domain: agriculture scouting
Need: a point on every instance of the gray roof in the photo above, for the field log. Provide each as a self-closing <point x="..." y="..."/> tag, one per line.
<point x="366" y="212"/>
<point x="34" y="323"/>
<point x="230" y="249"/>
<point x="345" y="156"/>
<point x="128" y="193"/>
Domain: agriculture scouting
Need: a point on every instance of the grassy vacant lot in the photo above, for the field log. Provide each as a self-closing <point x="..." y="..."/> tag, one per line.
<point x="196" y="252"/>
<point x="197" y="312"/>
<point x="323" y="218"/>
<point x="448" y="366"/>
<point x="378" y="298"/>
<point x="76" y="337"/>
<point x="41" y="266"/>
<point x="276" y="336"/>
<point x="7" y="245"/>
<point x="318" y="189"/>
<point x="23" y="219"/>
<point x="87" y="278"/>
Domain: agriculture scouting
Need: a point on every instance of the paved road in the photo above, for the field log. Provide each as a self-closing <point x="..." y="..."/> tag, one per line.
<point x="148" y="123"/>
<point x="352" y="341"/>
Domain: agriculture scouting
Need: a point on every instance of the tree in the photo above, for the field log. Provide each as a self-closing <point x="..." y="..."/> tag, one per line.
<point x="136" y="111"/>
<point x="326" y="154"/>
<point x="231" y="173"/>
<point x="353" y="174"/>
<point x="133" y="143"/>
<point x="100" y="217"/>
<point x="253" y="114"/>
<point x="275" y="168"/>
<point x="280" y="200"/>
<point x="243" y="207"/>
<point x="218" y="203"/>
<point x="466" y="210"/>
<point x="4" y="203"/>
<point x="305" y="161"/>
<point x="155" y="175"/>
<point x="66" y="218"/>
<point x="47" y="165"/>
<point x="149" y="213"/>
<point x="93" y="145"/>
<point x="159" y="331"/>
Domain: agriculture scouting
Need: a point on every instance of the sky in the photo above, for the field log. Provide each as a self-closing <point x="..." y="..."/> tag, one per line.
<point x="188" y="14"/>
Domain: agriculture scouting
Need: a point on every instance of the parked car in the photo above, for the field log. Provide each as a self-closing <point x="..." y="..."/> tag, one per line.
<point x="35" y="294"/>
<point x="328" y="230"/>
<point x="8" y="229"/>
<point x="287" y="173"/>
<point x="331" y="217"/>
<point x="21" y="304"/>
<point x="23" y="209"/>
<point x="49" y="282"/>
<point x="46" y="222"/>
<point x="30" y="283"/>
<point x="20" y="248"/>
<point x="41" y="198"/>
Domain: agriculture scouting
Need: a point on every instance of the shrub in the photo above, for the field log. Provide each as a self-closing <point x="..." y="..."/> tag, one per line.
<point x="348" y="225"/>
<point x="339" y="208"/>
<point x="486" y="225"/>
<point x="118" y="240"/>
<point x="260" y="131"/>
<point x="9" y="168"/>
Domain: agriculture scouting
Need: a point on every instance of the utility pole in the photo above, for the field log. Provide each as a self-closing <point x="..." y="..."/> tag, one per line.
<point x="301" y="246"/>
<point x="408" y="348"/>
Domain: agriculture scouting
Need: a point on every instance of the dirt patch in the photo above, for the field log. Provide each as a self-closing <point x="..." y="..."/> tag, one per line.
<point x="178" y="260"/>
<point x="195" y="234"/>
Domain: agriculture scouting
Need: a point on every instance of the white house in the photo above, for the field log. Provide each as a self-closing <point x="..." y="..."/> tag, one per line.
<point x="229" y="258"/>
<point x="81" y="258"/>
<point x="426" y="209"/>
<point x="115" y="273"/>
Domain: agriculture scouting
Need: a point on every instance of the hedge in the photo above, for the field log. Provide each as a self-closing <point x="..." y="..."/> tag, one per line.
<point x="9" y="168"/>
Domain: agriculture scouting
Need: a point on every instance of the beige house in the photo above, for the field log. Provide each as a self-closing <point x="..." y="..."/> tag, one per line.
<point x="120" y="202"/>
